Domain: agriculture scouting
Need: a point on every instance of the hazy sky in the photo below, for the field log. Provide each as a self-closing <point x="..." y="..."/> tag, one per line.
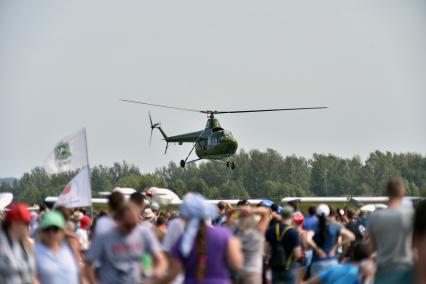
<point x="65" y="64"/>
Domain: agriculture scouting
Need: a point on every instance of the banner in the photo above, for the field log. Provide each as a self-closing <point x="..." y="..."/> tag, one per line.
<point x="77" y="193"/>
<point x="69" y="154"/>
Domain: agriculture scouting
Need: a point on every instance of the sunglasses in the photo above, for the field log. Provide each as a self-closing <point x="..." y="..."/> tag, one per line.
<point x="52" y="229"/>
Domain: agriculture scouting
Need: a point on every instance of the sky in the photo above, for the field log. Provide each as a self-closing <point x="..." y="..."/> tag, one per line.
<point x="64" y="65"/>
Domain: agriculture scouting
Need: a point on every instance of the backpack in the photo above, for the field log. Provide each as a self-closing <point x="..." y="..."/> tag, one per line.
<point x="279" y="260"/>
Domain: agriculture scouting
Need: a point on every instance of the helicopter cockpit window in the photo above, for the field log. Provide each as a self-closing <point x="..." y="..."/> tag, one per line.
<point x="216" y="129"/>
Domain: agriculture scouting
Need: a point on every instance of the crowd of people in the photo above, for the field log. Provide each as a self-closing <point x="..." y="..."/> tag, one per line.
<point x="135" y="241"/>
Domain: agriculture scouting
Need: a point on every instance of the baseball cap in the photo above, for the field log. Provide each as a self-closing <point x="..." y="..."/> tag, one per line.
<point x="298" y="218"/>
<point x="323" y="210"/>
<point x="287" y="212"/>
<point x="85" y="222"/>
<point x="52" y="218"/>
<point x="18" y="212"/>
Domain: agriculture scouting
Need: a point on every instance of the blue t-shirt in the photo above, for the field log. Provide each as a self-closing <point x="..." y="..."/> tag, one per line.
<point x="309" y="222"/>
<point x="332" y="235"/>
<point x="58" y="267"/>
<point x="340" y="274"/>
<point x="290" y="240"/>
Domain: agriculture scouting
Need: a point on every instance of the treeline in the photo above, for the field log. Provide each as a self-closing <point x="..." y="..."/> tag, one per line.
<point x="257" y="175"/>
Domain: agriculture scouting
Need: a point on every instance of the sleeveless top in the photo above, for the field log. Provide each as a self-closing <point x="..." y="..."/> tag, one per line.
<point x="216" y="263"/>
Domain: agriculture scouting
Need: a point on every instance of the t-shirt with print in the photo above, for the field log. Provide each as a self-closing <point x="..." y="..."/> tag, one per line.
<point x="120" y="255"/>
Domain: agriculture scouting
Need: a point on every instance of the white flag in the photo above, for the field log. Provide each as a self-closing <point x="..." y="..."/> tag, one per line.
<point x="69" y="154"/>
<point x="77" y="193"/>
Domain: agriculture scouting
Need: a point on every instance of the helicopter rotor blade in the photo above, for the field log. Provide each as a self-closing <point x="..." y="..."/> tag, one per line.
<point x="152" y="128"/>
<point x="267" y="110"/>
<point x="164" y="106"/>
<point x="210" y="112"/>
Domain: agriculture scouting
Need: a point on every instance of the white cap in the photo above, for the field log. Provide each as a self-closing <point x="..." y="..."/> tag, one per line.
<point x="155" y="206"/>
<point x="323" y="210"/>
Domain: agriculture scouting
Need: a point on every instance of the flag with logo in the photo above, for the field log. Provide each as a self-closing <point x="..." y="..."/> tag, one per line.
<point x="77" y="193"/>
<point x="69" y="154"/>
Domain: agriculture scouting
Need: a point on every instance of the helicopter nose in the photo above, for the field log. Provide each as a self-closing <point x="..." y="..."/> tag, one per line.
<point x="231" y="143"/>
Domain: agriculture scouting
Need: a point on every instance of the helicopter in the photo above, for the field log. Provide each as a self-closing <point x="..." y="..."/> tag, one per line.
<point x="213" y="143"/>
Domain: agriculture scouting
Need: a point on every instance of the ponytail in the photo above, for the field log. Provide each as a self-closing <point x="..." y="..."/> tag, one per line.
<point x="201" y="251"/>
<point x="323" y="231"/>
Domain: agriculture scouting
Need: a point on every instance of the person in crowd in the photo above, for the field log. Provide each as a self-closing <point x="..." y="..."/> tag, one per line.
<point x="160" y="228"/>
<point x="120" y="251"/>
<point x="307" y="253"/>
<point x="349" y="272"/>
<point x="33" y="224"/>
<point x="285" y="248"/>
<point x="137" y="203"/>
<point x="155" y="207"/>
<point x="251" y="233"/>
<point x="324" y="239"/>
<point x="418" y="273"/>
<point x="354" y="226"/>
<point x="82" y="232"/>
<point x="148" y="218"/>
<point x="107" y="222"/>
<point x="175" y="229"/>
<point x="243" y="202"/>
<point x="294" y="204"/>
<point x="311" y="220"/>
<point x="17" y="264"/>
<point x="221" y="218"/>
<point x="389" y="234"/>
<point x="205" y="253"/>
<point x="72" y="223"/>
<point x="56" y="261"/>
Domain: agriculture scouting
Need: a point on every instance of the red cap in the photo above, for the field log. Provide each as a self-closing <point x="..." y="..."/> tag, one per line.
<point x="298" y="218"/>
<point x="18" y="212"/>
<point x="85" y="222"/>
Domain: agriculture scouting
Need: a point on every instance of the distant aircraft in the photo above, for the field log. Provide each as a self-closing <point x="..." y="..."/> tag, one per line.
<point x="164" y="197"/>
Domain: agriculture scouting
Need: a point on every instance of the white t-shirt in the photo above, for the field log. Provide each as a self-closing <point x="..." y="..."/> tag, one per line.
<point x="83" y="238"/>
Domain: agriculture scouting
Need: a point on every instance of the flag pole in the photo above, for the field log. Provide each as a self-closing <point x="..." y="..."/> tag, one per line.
<point x="90" y="174"/>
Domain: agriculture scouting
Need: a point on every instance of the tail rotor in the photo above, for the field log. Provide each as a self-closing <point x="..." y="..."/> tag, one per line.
<point x="153" y="126"/>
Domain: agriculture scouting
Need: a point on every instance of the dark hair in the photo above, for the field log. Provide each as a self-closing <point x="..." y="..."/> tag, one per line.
<point x="395" y="188"/>
<point x="243" y="202"/>
<point x="359" y="251"/>
<point x="323" y="231"/>
<point x="419" y="219"/>
<point x="201" y="251"/>
<point x="160" y="221"/>
<point x="137" y="199"/>
<point x="42" y="207"/>
<point x="121" y="211"/>
<point x="221" y="205"/>
<point x="312" y="210"/>
<point x="293" y="204"/>
<point x="115" y="200"/>
<point x="274" y="207"/>
<point x="351" y="214"/>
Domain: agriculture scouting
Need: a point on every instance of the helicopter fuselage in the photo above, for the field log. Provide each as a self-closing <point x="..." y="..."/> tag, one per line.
<point x="218" y="144"/>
